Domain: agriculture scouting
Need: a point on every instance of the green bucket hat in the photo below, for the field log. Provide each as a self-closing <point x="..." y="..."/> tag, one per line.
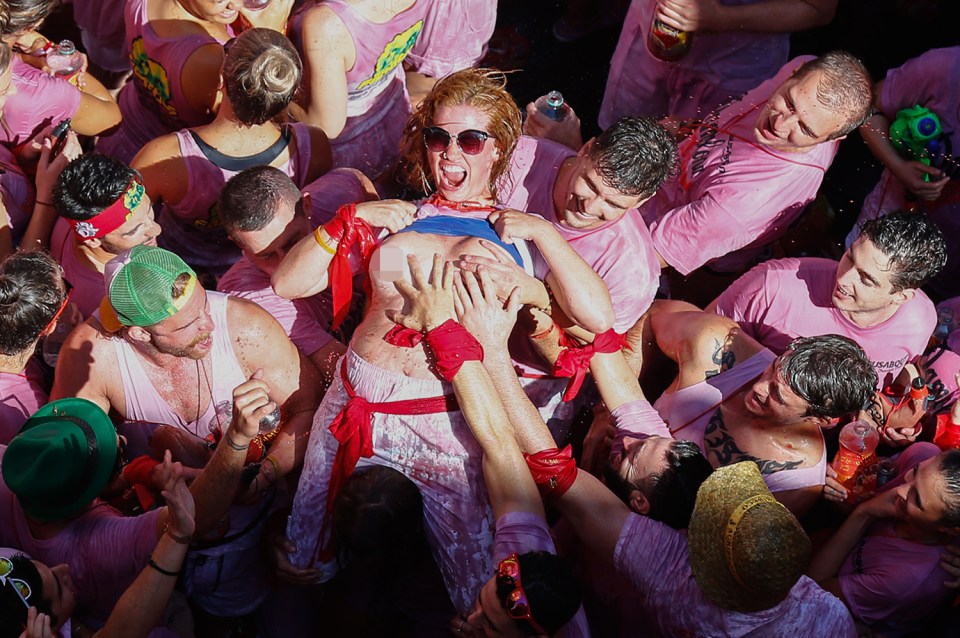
<point x="62" y="458"/>
<point x="139" y="285"/>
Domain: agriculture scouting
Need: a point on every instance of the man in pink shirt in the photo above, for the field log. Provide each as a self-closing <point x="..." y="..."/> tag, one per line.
<point x="265" y="214"/>
<point x="98" y="221"/>
<point x="748" y="170"/>
<point x="872" y="295"/>
<point x="591" y="197"/>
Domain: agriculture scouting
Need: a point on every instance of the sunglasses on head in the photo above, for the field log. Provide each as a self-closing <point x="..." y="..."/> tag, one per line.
<point x="63" y="306"/>
<point x="470" y="141"/>
<point x="19" y="585"/>
<point x="511" y="594"/>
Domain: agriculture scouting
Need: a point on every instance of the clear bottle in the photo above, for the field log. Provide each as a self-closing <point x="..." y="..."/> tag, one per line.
<point x="856" y="460"/>
<point x="54" y="341"/>
<point x="271" y="421"/>
<point x="553" y="106"/>
<point x="667" y="43"/>
<point x="64" y="59"/>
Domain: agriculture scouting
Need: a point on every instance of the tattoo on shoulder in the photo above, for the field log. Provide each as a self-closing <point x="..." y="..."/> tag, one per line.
<point x="723" y="356"/>
<point x="724" y="449"/>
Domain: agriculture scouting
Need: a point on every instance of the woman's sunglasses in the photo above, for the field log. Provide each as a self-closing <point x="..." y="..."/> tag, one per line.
<point x="511" y="594"/>
<point x="470" y="142"/>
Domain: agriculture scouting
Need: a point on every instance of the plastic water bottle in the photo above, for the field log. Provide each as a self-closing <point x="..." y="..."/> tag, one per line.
<point x="667" y="43"/>
<point x="271" y="421"/>
<point x="552" y="105"/>
<point x="64" y="59"/>
<point x="255" y="5"/>
<point x="856" y="461"/>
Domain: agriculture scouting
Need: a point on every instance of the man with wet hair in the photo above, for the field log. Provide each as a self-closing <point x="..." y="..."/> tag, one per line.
<point x="872" y="295"/>
<point x="749" y="169"/>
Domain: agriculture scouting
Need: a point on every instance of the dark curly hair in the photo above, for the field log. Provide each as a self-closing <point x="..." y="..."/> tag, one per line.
<point x="89" y="184"/>
<point x="31" y="293"/>
<point x="635" y="155"/>
<point x="915" y="245"/>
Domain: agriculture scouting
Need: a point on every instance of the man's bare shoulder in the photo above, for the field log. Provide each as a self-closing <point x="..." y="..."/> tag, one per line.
<point x="87" y="366"/>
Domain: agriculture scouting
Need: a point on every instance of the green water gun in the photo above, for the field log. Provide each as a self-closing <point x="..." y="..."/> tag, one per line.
<point x="915" y="133"/>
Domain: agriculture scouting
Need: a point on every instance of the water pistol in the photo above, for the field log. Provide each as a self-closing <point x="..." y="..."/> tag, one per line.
<point x="916" y="134"/>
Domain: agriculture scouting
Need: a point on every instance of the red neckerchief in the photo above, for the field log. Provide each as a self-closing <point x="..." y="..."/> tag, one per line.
<point x="461" y="207"/>
<point x="574" y="360"/>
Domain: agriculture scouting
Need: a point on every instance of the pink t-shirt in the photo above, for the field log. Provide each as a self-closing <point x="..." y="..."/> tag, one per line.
<point x="782" y="299"/>
<point x="105" y="551"/>
<point x="893" y="584"/>
<point x="88" y="286"/>
<point x="921" y="81"/>
<point x="621" y="252"/>
<point x="655" y="559"/>
<point x="40" y="100"/>
<point x="454" y="37"/>
<point x="306" y="321"/>
<point x="733" y="196"/>
<point x="719" y="66"/>
<point x="20" y="396"/>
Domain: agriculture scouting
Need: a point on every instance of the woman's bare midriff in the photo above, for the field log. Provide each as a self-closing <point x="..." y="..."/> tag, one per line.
<point x="388" y="264"/>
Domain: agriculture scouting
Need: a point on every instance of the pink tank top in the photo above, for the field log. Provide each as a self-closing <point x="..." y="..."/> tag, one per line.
<point x="40" y="100"/>
<point x="153" y="102"/>
<point x="687" y="413"/>
<point x="20" y="396"/>
<point x="144" y="403"/>
<point x="192" y="227"/>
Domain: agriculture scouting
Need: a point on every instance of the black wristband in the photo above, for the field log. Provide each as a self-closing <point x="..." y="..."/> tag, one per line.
<point x="161" y="569"/>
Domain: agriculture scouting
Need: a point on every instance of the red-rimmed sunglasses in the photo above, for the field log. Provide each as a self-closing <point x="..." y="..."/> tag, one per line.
<point x="511" y="594"/>
<point x="63" y="306"/>
<point x="470" y="141"/>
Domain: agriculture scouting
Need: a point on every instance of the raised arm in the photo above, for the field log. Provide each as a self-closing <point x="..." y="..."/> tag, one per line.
<point x="596" y="514"/>
<point x="328" y="53"/>
<point x="577" y="288"/>
<point x="303" y="272"/>
<point x="509" y="483"/>
<point x="770" y="16"/>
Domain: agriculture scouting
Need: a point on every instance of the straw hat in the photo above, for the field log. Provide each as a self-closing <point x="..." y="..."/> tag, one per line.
<point x="746" y="549"/>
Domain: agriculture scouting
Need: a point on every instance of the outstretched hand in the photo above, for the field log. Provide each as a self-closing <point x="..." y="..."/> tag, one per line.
<point x="481" y="312"/>
<point x="429" y="300"/>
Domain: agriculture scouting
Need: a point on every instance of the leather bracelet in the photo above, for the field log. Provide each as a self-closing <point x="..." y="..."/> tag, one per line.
<point x="183" y="540"/>
<point x="161" y="569"/>
<point x="234" y="446"/>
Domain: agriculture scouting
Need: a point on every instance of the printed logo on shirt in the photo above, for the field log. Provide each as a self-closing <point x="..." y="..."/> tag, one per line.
<point x="393" y="54"/>
<point x="151" y="77"/>
<point x="705" y="139"/>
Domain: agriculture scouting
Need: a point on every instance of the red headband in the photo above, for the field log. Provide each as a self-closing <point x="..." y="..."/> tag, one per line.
<point x="113" y="216"/>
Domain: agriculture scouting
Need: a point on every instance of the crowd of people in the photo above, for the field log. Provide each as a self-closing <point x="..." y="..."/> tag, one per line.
<point x="307" y="328"/>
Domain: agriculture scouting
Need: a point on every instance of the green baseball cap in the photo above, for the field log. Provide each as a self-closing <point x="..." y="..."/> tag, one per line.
<point x="139" y="285"/>
<point x="61" y="460"/>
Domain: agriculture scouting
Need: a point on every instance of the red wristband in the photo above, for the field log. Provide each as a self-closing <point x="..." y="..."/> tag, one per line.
<point x="553" y="470"/>
<point x="574" y="360"/>
<point x="451" y="346"/>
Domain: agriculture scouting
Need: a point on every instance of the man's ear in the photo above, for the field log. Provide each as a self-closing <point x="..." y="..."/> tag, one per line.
<point x="905" y="295"/>
<point x="137" y="333"/>
<point x="585" y="149"/>
<point x="639" y="503"/>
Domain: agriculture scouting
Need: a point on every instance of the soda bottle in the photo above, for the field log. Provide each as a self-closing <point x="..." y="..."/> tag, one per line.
<point x="667" y="43"/>
<point x="65" y="60"/>
<point x="552" y="106"/>
<point x="947" y="436"/>
<point x="856" y="461"/>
